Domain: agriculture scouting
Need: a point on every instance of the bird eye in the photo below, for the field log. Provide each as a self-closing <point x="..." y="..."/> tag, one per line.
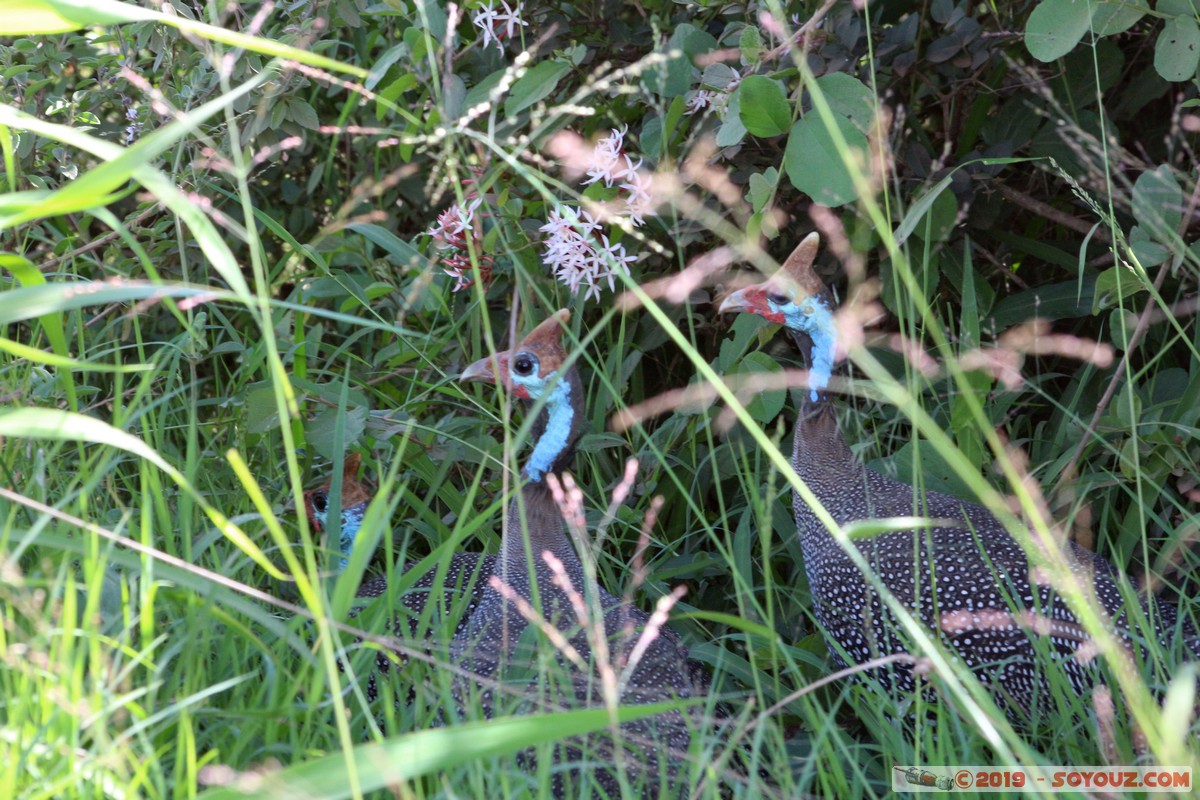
<point x="523" y="365"/>
<point x="320" y="501"/>
<point x="779" y="299"/>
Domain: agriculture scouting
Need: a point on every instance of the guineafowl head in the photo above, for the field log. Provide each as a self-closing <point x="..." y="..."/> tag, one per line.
<point x="798" y="299"/>
<point x="535" y="371"/>
<point x="356" y="495"/>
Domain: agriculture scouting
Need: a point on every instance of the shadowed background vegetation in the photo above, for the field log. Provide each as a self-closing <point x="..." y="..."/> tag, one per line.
<point x="218" y="278"/>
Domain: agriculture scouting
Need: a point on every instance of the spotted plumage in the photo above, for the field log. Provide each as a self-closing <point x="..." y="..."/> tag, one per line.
<point x="497" y="644"/>
<point x="967" y="580"/>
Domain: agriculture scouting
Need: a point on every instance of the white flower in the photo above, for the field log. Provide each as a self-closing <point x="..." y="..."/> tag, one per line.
<point x="459" y="271"/>
<point x="452" y="225"/>
<point x="699" y="101"/>
<point x="573" y="256"/>
<point x="738" y="77"/>
<point x="606" y="160"/>
<point x="639" y="202"/>
<point x="488" y="18"/>
<point x="614" y="259"/>
<point x="559" y="225"/>
<point x="450" y="234"/>
<point x="510" y="19"/>
<point x="485" y="20"/>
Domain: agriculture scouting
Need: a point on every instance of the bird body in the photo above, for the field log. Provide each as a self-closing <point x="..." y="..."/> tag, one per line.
<point x="492" y="639"/>
<point x="492" y="644"/>
<point x="962" y="575"/>
<point x="464" y="575"/>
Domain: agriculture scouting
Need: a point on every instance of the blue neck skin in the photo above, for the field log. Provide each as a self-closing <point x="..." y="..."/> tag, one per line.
<point x="549" y="448"/>
<point x="813" y="317"/>
<point x="351" y="523"/>
<point x="556" y="436"/>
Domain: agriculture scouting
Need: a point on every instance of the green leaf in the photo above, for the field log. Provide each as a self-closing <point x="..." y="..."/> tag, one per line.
<point x="1175" y="8"/>
<point x="849" y="97"/>
<point x="920" y="209"/>
<point x="384" y="63"/>
<point x="480" y="92"/>
<point x="717" y="76"/>
<point x="762" y="188"/>
<point x="322" y="430"/>
<point x="66" y="426"/>
<point x="428" y="752"/>
<point x="764" y="107"/>
<point x="750" y="43"/>
<point x="303" y="114"/>
<point x="28" y="274"/>
<point x="673" y="77"/>
<point x="261" y="411"/>
<point x="764" y="406"/>
<point x="454" y="97"/>
<point x="937" y="225"/>
<point x="1158" y="202"/>
<point x="26" y="17"/>
<point x="1113" y="285"/>
<point x="400" y="252"/>
<point x="535" y="85"/>
<point x="1053" y="301"/>
<point x="734" y="621"/>
<point x="651" y="137"/>
<point x="1055" y="27"/>
<point x="920" y="466"/>
<point x="17" y="305"/>
<point x="1177" y="52"/>
<point x="732" y="131"/>
<point x="815" y="166"/>
<point x="1148" y="252"/>
<point x="1110" y="17"/>
<point x="65" y="364"/>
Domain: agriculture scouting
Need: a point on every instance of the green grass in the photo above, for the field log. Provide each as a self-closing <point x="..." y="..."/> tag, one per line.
<point x="169" y="628"/>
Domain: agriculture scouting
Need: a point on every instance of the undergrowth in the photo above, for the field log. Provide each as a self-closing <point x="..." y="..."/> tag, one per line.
<point x="230" y="261"/>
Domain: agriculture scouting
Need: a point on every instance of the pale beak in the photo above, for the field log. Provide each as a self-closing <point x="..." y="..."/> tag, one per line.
<point x="482" y="370"/>
<point x="734" y="302"/>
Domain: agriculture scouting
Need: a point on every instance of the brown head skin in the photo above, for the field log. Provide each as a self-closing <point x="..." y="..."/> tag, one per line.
<point x="794" y="281"/>
<point x="544" y="341"/>
<point x="354" y="491"/>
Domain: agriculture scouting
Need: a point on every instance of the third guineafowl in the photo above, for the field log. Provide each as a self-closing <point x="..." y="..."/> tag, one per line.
<point x="965" y="578"/>
<point x="496" y="643"/>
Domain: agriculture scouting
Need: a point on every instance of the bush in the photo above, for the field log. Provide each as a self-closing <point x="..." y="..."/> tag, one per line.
<point x="239" y="247"/>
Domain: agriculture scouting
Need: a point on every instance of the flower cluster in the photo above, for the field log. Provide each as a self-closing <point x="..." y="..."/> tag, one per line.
<point x="576" y="258"/>
<point x="700" y="100"/>
<point x="716" y="98"/>
<point x="578" y="252"/>
<point x="450" y="236"/>
<point x="496" y="25"/>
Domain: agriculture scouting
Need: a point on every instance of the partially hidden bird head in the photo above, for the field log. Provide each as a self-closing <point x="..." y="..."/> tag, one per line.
<point x="533" y="371"/>
<point x="796" y="298"/>
<point x="356" y="495"/>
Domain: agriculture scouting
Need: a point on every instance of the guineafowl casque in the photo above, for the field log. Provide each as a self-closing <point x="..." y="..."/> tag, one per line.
<point x="493" y="646"/>
<point x="968" y="581"/>
<point x="463" y="576"/>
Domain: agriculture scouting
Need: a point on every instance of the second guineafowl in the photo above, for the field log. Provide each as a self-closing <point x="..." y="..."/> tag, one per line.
<point x="455" y="587"/>
<point x="649" y="662"/>
<point x="965" y="577"/>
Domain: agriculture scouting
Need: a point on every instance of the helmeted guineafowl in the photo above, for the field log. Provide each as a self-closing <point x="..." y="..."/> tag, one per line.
<point x="968" y="581"/>
<point x="497" y="643"/>
<point x="463" y="576"/>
